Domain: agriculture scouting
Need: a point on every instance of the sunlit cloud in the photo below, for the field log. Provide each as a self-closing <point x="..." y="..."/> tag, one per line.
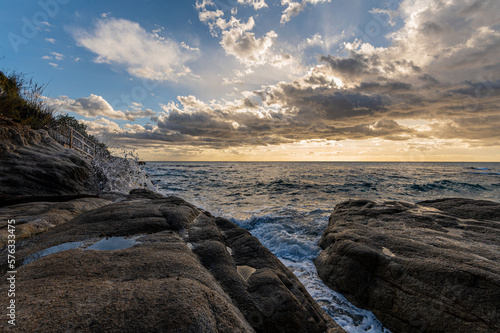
<point x="238" y="40"/>
<point x="97" y="106"/>
<point x="143" y="54"/>
<point x="432" y="85"/>
<point x="257" y="4"/>
<point x="293" y="8"/>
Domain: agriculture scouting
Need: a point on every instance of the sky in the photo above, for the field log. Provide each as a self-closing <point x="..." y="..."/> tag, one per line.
<point x="263" y="80"/>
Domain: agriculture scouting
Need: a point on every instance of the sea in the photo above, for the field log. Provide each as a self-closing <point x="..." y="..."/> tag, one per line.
<point x="286" y="205"/>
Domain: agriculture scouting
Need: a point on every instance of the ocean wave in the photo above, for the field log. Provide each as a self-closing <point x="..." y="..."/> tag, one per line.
<point x="167" y="189"/>
<point x="287" y="206"/>
<point x="282" y="237"/>
<point x="447" y="185"/>
<point x="296" y="247"/>
<point x="485" y="173"/>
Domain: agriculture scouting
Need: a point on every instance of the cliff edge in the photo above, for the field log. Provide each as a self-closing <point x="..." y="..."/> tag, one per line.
<point x="34" y="164"/>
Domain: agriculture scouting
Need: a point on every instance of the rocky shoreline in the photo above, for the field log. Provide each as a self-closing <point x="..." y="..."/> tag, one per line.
<point x="183" y="270"/>
<point x="186" y="271"/>
<point x="427" y="267"/>
<point x="94" y="261"/>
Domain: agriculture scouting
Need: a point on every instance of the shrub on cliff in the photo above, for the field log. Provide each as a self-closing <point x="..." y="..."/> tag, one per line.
<point x="20" y="100"/>
<point x="63" y="119"/>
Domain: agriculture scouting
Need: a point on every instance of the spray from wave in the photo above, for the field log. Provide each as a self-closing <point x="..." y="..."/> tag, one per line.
<point x="121" y="173"/>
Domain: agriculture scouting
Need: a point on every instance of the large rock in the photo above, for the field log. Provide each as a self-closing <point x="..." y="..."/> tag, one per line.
<point x="33" y="218"/>
<point x="32" y="163"/>
<point x="186" y="272"/>
<point x="428" y="267"/>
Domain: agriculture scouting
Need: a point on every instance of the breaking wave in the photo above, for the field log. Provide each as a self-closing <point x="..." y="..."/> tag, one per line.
<point x="287" y="205"/>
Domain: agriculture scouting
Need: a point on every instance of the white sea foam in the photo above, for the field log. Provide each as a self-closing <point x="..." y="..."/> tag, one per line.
<point x="348" y="316"/>
<point x="287" y="205"/>
<point x="297" y="250"/>
<point x="121" y="174"/>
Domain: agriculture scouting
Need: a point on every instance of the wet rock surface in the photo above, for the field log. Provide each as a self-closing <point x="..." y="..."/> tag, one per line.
<point x="427" y="267"/>
<point x="186" y="271"/>
<point x="33" y="218"/>
<point x="33" y="164"/>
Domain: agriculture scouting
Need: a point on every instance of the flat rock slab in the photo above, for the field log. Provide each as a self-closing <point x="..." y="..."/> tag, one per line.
<point x="184" y="271"/>
<point x="34" y="218"/>
<point x="427" y="267"/>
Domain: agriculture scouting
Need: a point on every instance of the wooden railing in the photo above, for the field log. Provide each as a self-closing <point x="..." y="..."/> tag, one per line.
<point x="71" y="138"/>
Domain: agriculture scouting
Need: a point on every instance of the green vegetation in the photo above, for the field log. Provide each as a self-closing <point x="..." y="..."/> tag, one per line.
<point x="63" y="119"/>
<point x="21" y="101"/>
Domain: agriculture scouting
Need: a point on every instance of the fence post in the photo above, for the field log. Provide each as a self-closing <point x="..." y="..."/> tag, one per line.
<point x="82" y="144"/>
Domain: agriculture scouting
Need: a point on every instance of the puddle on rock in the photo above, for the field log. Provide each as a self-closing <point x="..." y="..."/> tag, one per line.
<point x="105" y="244"/>
<point x="113" y="243"/>
<point x="51" y="250"/>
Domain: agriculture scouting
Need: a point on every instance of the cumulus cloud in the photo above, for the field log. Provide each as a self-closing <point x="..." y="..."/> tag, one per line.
<point x="248" y="122"/>
<point x="318" y="106"/>
<point x="239" y="40"/>
<point x="257" y="4"/>
<point x="314" y="41"/>
<point x="440" y="66"/>
<point x="362" y="66"/>
<point x="294" y="8"/>
<point x="189" y="48"/>
<point x="437" y="81"/>
<point x="143" y="54"/>
<point x="246" y="47"/>
<point x="210" y="15"/>
<point x="96" y="106"/>
<point x="455" y="40"/>
<point x="103" y="126"/>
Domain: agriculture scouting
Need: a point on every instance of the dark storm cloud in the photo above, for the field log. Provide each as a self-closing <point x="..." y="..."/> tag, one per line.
<point x="196" y="123"/>
<point x="387" y="87"/>
<point x="356" y="65"/>
<point x="479" y="89"/>
<point x="359" y="65"/>
<point x="428" y="79"/>
<point x="339" y="105"/>
<point x="305" y="110"/>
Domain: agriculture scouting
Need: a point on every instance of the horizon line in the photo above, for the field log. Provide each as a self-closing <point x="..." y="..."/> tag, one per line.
<point x="305" y="161"/>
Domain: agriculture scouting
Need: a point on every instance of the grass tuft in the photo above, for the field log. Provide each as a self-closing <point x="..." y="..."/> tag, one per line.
<point x="21" y="100"/>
